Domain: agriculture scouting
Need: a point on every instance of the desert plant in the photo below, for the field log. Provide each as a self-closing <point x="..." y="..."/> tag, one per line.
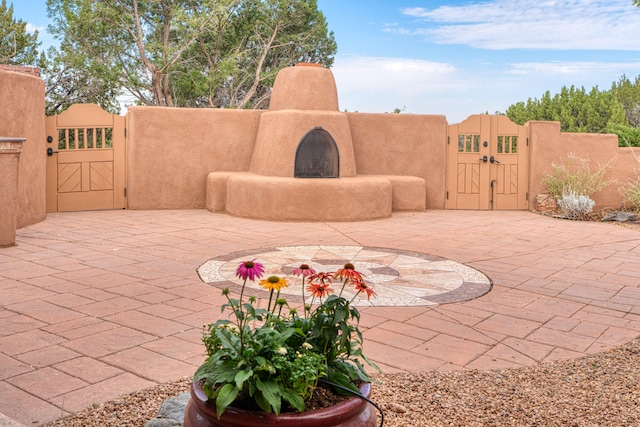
<point x="575" y="175"/>
<point x="631" y="194"/>
<point x="631" y="191"/>
<point x="576" y="206"/>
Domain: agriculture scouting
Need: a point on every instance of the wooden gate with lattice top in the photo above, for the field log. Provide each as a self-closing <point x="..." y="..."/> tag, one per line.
<point x="487" y="164"/>
<point x="86" y="157"/>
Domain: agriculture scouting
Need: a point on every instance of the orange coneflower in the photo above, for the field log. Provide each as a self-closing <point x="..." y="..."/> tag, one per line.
<point x="319" y="290"/>
<point x="363" y="287"/>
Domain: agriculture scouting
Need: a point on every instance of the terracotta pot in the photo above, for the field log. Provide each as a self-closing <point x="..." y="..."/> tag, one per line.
<point x="353" y="412"/>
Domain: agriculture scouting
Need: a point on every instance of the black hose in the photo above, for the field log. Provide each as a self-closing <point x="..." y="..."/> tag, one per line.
<point x="356" y="394"/>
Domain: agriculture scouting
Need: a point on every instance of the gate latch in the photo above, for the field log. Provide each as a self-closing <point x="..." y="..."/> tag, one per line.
<point x="484" y="159"/>
<point x="493" y="160"/>
<point x="50" y="151"/>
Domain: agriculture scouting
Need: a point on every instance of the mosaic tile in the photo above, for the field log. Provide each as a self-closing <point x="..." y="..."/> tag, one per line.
<point x="399" y="278"/>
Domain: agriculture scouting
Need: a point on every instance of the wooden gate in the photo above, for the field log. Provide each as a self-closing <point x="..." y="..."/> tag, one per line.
<point x="86" y="156"/>
<point x="487" y="164"/>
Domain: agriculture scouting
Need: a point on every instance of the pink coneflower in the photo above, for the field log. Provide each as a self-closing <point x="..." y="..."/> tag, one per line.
<point x="250" y="270"/>
<point x="304" y="270"/>
<point x="321" y="277"/>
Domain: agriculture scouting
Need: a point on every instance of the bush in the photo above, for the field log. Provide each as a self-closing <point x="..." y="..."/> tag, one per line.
<point x="631" y="194"/>
<point x="628" y="136"/>
<point x="576" y="206"/>
<point x="574" y="176"/>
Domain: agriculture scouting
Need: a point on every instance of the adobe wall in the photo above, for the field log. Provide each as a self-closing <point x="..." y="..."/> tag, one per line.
<point x="171" y="151"/>
<point x="403" y="144"/>
<point x="549" y="145"/>
<point x="22" y="116"/>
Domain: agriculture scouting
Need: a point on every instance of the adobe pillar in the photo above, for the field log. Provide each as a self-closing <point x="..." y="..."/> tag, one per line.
<point x="10" y="149"/>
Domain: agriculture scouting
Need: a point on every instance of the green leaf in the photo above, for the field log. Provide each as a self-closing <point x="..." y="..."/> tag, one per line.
<point x="241" y="377"/>
<point x="226" y="395"/>
<point x="271" y="393"/>
<point x="294" y="399"/>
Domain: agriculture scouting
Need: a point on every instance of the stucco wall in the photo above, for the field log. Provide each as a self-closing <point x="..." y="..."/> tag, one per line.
<point x="172" y="150"/>
<point x="403" y="144"/>
<point x="549" y="145"/>
<point x="22" y="116"/>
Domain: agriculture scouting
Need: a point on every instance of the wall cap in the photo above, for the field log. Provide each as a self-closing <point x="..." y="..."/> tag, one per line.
<point x="10" y="145"/>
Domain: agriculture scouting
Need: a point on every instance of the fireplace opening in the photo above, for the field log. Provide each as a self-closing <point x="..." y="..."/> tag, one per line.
<point x="317" y="156"/>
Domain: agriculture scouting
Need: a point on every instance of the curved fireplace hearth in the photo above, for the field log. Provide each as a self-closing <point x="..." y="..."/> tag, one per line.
<point x="302" y="138"/>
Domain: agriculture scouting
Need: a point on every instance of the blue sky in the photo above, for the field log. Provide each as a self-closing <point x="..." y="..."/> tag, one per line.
<point x="462" y="57"/>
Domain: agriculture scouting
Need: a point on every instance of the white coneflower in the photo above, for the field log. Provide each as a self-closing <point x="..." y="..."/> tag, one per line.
<point x="307" y="345"/>
<point x="282" y="351"/>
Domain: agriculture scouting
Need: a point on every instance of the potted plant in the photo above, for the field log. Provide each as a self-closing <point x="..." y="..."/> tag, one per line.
<point x="265" y="364"/>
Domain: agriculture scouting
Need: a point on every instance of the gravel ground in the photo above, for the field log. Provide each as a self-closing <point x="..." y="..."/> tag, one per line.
<point x="597" y="390"/>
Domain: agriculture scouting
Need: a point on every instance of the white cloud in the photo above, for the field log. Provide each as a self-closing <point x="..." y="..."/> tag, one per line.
<point x="31" y="28"/>
<point x="579" y="68"/>
<point x="364" y="72"/>
<point x="531" y="24"/>
<point x="378" y="84"/>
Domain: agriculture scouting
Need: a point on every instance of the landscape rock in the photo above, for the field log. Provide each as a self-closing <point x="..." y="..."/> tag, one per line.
<point x="620" y="216"/>
<point x="171" y="412"/>
<point x="546" y="203"/>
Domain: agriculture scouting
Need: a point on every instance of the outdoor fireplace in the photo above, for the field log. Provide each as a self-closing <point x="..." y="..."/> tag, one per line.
<point x="317" y="156"/>
<point x="302" y="138"/>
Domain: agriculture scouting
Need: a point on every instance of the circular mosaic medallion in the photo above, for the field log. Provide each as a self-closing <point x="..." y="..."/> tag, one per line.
<point x="399" y="278"/>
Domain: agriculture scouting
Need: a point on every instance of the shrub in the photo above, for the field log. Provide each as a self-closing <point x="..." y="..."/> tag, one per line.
<point x="576" y="206"/>
<point x="575" y="176"/>
<point x="631" y="194"/>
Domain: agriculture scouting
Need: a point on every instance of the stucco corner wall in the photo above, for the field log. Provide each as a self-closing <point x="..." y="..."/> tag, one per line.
<point x="22" y="111"/>
<point x="548" y="145"/>
<point x="171" y="151"/>
<point x="413" y="145"/>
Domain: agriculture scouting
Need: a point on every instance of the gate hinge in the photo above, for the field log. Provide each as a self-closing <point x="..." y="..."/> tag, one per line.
<point x="125" y="134"/>
<point x="527" y="196"/>
<point x="527" y="141"/>
<point x="447" y="195"/>
<point x="448" y="139"/>
<point x="125" y="191"/>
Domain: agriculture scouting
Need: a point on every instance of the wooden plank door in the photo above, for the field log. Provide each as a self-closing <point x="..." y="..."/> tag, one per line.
<point x="86" y="157"/>
<point x="487" y="164"/>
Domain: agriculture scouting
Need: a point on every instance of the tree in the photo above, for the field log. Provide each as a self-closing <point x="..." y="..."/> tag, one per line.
<point x="235" y="65"/>
<point x="69" y="83"/>
<point x="597" y="111"/>
<point x="628" y="94"/>
<point x="17" y="46"/>
<point x="217" y="53"/>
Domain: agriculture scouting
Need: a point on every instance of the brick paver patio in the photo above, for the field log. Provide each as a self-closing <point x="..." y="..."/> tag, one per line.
<point x="94" y="305"/>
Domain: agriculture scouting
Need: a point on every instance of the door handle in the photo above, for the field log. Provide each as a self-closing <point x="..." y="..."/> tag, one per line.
<point x="484" y="159"/>
<point x="493" y="160"/>
<point x="50" y="151"/>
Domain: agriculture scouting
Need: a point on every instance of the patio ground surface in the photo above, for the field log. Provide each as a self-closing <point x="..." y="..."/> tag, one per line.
<point x="94" y="305"/>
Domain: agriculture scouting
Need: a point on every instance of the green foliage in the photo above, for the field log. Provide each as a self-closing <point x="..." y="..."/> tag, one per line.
<point x="17" y="46"/>
<point x="628" y="136"/>
<point x="194" y="53"/>
<point x="627" y="92"/>
<point x="275" y="360"/>
<point x="575" y="176"/>
<point x="597" y="111"/>
<point x="631" y="193"/>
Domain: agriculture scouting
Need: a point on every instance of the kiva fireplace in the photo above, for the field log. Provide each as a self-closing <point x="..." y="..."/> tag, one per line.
<point x="303" y="166"/>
